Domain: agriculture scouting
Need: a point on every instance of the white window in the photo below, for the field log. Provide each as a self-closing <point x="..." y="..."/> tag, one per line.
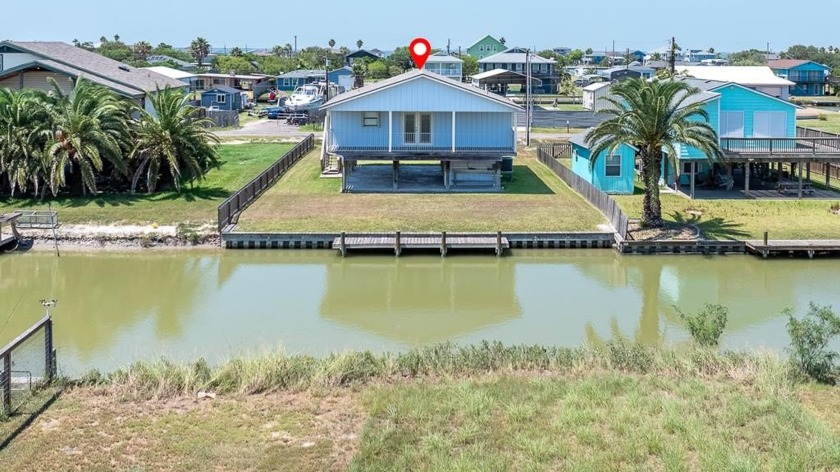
<point x="199" y="84"/>
<point x="613" y="166"/>
<point x="370" y="118"/>
<point x="769" y="124"/>
<point x="417" y="128"/>
<point x="220" y="98"/>
<point x="481" y="48"/>
<point x="731" y="124"/>
<point x="1" y="62"/>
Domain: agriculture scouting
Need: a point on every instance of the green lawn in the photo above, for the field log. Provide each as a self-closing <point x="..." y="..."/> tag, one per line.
<point x="830" y="124"/>
<point x="597" y="421"/>
<point x="745" y="219"/>
<point x="240" y="164"/>
<point x="536" y="200"/>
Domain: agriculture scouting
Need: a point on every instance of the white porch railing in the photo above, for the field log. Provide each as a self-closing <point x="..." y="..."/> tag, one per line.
<point x="424" y="142"/>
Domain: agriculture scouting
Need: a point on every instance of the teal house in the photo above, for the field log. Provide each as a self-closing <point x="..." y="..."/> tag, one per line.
<point x="810" y="77"/>
<point x="612" y="173"/>
<point x="486" y="46"/>
<point x="747" y="122"/>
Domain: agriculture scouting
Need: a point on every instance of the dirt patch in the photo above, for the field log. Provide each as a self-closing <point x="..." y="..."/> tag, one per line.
<point x="668" y="232"/>
<point x="87" y="237"/>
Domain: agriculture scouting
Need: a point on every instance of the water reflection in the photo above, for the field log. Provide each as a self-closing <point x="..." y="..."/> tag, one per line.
<point x="116" y="308"/>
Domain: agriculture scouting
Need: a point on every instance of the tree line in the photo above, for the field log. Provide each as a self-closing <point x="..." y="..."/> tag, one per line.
<point x="90" y="140"/>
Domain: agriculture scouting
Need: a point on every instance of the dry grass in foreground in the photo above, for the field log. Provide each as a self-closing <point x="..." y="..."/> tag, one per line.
<point x="536" y="200"/>
<point x="88" y="429"/>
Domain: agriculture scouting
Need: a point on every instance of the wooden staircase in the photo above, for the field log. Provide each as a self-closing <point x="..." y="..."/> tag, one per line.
<point x="332" y="167"/>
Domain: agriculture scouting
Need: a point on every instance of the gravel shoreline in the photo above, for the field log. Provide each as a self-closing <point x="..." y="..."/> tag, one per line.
<point x="91" y="237"/>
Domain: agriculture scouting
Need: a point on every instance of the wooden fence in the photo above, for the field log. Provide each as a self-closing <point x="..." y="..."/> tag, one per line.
<point x="597" y="198"/>
<point x="230" y="209"/>
<point x="824" y="168"/>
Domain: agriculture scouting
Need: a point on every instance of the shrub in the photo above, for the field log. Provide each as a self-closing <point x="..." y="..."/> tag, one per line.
<point x="809" y="338"/>
<point x="822" y="117"/>
<point x="707" y="325"/>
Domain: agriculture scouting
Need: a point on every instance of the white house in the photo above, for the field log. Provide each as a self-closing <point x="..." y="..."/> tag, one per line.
<point x="445" y="65"/>
<point x="759" y="78"/>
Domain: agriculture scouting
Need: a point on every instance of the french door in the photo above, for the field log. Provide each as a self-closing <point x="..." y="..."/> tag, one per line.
<point x="417" y="128"/>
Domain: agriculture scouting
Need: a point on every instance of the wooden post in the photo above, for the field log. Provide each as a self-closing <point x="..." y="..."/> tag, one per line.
<point x="343" y="244"/>
<point x="800" y="180"/>
<point x="827" y="169"/>
<point x="443" y="244"/>
<point x="49" y="368"/>
<point x="808" y="172"/>
<point x="747" y="180"/>
<point x="730" y="181"/>
<point x="6" y="379"/>
<point x="395" y="172"/>
<point x="765" y="239"/>
<point x="691" y="185"/>
<point x="397" y="245"/>
<point x="499" y="248"/>
<point x="390" y="131"/>
<point x="343" y="164"/>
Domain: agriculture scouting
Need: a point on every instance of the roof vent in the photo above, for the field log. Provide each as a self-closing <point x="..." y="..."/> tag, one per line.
<point x="125" y="68"/>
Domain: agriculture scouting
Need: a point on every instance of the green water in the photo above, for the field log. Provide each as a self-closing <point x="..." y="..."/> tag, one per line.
<point x="117" y="308"/>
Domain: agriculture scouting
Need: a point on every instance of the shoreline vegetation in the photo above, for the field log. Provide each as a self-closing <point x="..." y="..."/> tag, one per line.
<point x="443" y="407"/>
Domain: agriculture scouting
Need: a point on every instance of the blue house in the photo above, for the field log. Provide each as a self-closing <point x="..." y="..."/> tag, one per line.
<point x="810" y="77"/>
<point x="611" y="174"/>
<point x="222" y="96"/>
<point x="419" y="116"/>
<point x="343" y="77"/>
<point x="748" y="124"/>
<point x="294" y="79"/>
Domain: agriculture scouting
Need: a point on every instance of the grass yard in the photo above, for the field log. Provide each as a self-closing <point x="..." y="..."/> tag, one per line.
<point x="745" y="219"/>
<point x="240" y="164"/>
<point x="830" y="124"/>
<point x="536" y="200"/>
<point x="478" y="408"/>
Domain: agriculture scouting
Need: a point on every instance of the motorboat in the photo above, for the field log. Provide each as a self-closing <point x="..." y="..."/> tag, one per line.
<point x="310" y="96"/>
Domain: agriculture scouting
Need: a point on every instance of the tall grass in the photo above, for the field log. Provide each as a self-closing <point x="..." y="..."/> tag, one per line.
<point x="279" y="371"/>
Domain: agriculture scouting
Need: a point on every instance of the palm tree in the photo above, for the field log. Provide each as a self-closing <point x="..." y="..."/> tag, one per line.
<point x="502" y="40"/>
<point x="332" y="44"/>
<point x="24" y="131"/>
<point x="142" y="50"/>
<point x="172" y="140"/>
<point x="236" y="52"/>
<point x="359" y="43"/>
<point x="199" y="48"/>
<point x="89" y="127"/>
<point x="653" y="117"/>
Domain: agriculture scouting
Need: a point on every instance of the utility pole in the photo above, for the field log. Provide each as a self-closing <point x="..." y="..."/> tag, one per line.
<point x="295" y="45"/>
<point x="447" y="46"/>
<point x="527" y="97"/>
<point x="673" y="59"/>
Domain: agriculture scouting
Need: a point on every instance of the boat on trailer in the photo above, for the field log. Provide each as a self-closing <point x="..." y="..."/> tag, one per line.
<point x="311" y="96"/>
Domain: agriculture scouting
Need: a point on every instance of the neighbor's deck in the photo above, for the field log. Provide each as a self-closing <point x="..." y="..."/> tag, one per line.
<point x="794" y="247"/>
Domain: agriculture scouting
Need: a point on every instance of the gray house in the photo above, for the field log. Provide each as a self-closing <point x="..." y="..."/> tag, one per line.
<point x="223" y="97"/>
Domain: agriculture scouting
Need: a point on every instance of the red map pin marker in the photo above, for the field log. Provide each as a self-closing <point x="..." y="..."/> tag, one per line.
<point x="420" y="50"/>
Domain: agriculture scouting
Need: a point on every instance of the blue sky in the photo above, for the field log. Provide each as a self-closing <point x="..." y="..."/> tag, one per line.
<point x="726" y="25"/>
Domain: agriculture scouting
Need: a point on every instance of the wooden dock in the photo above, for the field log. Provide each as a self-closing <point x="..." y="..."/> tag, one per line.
<point x="810" y="248"/>
<point x="443" y="242"/>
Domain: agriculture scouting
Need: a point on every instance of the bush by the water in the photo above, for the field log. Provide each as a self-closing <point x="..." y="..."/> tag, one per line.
<point x="810" y="337"/>
<point x="707" y="325"/>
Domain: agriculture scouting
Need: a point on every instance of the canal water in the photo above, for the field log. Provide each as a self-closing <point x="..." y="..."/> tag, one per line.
<point x="116" y="308"/>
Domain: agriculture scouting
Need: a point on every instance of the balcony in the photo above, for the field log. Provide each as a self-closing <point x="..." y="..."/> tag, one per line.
<point x="781" y="149"/>
<point x="426" y="144"/>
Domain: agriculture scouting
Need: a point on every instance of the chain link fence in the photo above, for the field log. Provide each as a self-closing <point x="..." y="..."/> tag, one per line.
<point x="26" y="364"/>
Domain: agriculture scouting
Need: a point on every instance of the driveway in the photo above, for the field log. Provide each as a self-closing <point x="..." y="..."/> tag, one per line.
<point x="267" y="128"/>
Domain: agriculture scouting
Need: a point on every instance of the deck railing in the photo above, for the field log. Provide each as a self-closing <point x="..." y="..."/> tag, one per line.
<point x="798" y="145"/>
<point x="423" y="142"/>
<point x="230" y="209"/>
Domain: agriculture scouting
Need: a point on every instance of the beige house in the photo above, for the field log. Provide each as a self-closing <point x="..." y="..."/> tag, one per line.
<point x="27" y="65"/>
